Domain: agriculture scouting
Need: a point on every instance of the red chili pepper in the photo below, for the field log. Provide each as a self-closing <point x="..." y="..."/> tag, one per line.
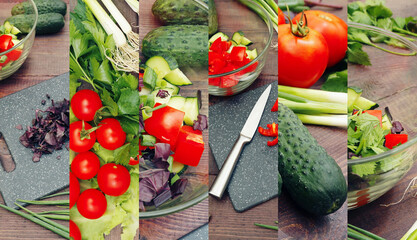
<point x="275" y="107"/>
<point x="273" y="142"/>
<point x="5" y="42"/>
<point x="392" y="140"/>
<point x="270" y="131"/>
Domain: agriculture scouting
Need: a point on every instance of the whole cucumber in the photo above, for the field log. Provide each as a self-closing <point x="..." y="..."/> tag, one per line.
<point x="188" y="44"/>
<point x="47" y="23"/>
<point x="44" y="6"/>
<point x="171" y="12"/>
<point x="313" y="178"/>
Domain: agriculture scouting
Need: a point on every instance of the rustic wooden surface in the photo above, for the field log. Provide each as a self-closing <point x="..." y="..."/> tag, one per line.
<point x="225" y="222"/>
<point x="179" y="224"/>
<point x="295" y="223"/>
<point x="48" y="58"/>
<point x="390" y="74"/>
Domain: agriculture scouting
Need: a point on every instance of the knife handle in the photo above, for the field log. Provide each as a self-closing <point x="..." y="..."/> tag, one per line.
<point x="222" y="179"/>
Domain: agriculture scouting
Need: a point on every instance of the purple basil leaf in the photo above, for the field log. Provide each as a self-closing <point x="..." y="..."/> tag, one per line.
<point x="163" y="197"/>
<point x="201" y="123"/>
<point x="397" y="127"/>
<point x="162" y="150"/>
<point x="162" y="93"/>
<point x="179" y="187"/>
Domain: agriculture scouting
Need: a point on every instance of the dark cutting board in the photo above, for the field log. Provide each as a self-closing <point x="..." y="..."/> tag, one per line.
<point x="30" y="180"/>
<point x="255" y="179"/>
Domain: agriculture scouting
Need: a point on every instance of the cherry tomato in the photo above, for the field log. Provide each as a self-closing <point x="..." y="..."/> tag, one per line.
<point x="85" y="104"/>
<point x="281" y="17"/>
<point x="85" y="165"/>
<point x="110" y="134"/>
<point x="113" y="179"/>
<point x="74" y="189"/>
<point x="92" y="204"/>
<point x="302" y="60"/>
<point x="333" y="29"/>
<point x="74" y="231"/>
<point x="77" y="144"/>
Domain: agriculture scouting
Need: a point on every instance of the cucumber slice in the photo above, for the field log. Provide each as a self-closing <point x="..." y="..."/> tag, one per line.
<point x="148" y="140"/>
<point x="15" y="31"/>
<point x="145" y="91"/>
<point x="172" y="62"/>
<point x="245" y="41"/>
<point x="365" y="104"/>
<point x="217" y="35"/>
<point x="149" y="78"/>
<point x="386" y="122"/>
<point x="161" y="83"/>
<point x="7" y="27"/>
<point x="237" y="37"/>
<point x="177" y="77"/>
<point x="177" y="102"/>
<point x="353" y="95"/>
<point x="252" y="54"/>
<point x="159" y="65"/>
<point x="162" y="100"/>
<point x="16" y="41"/>
<point x="191" y="110"/>
<point x="178" y="168"/>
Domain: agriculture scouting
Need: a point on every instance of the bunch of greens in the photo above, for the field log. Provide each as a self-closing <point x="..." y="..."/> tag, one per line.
<point x="376" y="13"/>
<point x="90" y="68"/>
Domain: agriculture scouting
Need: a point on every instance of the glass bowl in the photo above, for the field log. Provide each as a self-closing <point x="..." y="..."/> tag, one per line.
<point x="237" y="17"/>
<point x="391" y="166"/>
<point x="24" y="45"/>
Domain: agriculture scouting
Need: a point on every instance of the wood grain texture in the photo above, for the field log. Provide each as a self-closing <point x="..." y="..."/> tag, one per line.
<point x="295" y="223"/>
<point x="385" y="82"/>
<point x="179" y="224"/>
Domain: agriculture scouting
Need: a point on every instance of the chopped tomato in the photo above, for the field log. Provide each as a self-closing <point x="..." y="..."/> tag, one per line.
<point x="5" y="42"/>
<point x="238" y="54"/>
<point x="392" y="140"/>
<point x="189" y="147"/>
<point x="14" y="55"/>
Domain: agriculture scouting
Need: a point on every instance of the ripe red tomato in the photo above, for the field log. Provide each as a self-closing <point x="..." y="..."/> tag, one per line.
<point x="77" y="144"/>
<point x="302" y="60"/>
<point x="333" y="29"/>
<point x="113" y="179"/>
<point x="85" y="104"/>
<point x="110" y="134"/>
<point x="85" y="165"/>
<point x="74" y="189"/>
<point x="92" y="204"/>
<point x="74" y="231"/>
<point x="281" y="17"/>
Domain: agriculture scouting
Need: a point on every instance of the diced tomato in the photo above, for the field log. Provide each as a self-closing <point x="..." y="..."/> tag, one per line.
<point x="165" y="124"/>
<point x="226" y="45"/>
<point x="392" y="140"/>
<point x="5" y="42"/>
<point x="214" y="81"/>
<point x="231" y="79"/>
<point x="376" y="113"/>
<point x="189" y="147"/>
<point x="14" y="55"/>
<point x="216" y="46"/>
<point x="238" y="54"/>
<point x="216" y="63"/>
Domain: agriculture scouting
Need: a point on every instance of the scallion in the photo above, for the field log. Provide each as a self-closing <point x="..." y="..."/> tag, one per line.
<point x="134" y="5"/>
<point x="57" y="202"/>
<point x="340" y="121"/>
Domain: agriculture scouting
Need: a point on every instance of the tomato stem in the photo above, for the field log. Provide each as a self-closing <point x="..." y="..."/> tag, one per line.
<point x="85" y="134"/>
<point x="300" y="29"/>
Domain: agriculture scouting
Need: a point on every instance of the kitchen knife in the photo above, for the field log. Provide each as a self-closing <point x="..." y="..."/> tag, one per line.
<point x="245" y="136"/>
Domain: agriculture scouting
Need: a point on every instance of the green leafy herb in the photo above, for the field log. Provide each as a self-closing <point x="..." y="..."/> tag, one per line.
<point x="336" y="82"/>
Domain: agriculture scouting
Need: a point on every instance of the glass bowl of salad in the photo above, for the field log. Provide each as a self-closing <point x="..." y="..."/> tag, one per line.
<point x="15" y="43"/>
<point x="238" y="52"/>
<point x="382" y="153"/>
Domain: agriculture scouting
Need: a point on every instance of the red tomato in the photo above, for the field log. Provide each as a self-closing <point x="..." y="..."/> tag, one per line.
<point x="14" y="55"/>
<point x="85" y="104"/>
<point x="74" y="189"/>
<point x="5" y="42"/>
<point x="302" y="60"/>
<point x="74" y="231"/>
<point x="85" y="165"/>
<point x="77" y="144"/>
<point x="190" y="146"/>
<point x="110" y="134"/>
<point x="238" y="54"/>
<point x="113" y="179"/>
<point x="333" y="29"/>
<point x="281" y="17"/>
<point x="92" y="204"/>
<point x="392" y="140"/>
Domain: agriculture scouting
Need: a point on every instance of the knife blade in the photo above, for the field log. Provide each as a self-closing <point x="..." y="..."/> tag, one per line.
<point x="245" y="136"/>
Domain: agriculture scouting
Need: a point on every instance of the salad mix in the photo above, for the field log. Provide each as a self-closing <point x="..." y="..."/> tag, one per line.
<point x="9" y="37"/>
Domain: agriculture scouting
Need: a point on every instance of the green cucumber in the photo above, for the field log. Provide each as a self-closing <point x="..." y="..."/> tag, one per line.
<point x="386" y="122"/>
<point x="195" y="12"/>
<point x="161" y="83"/>
<point x="191" y="110"/>
<point x="252" y="54"/>
<point x="353" y="95"/>
<point x="177" y="77"/>
<point x="149" y="78"/>
<point x="188" y="44"/>
<point x="47" y="23"/>
<point x="177" y="102"/>
<point x="178" y="168"/>
<point x="43" y="6"/>
<point x="147" y="140"/>
<point x="365" y="104"/>
<point x="313" y="178"/>
<point x="172" y="62"/>
<point x="219" y="35"/>
<point x="159" y="65"/>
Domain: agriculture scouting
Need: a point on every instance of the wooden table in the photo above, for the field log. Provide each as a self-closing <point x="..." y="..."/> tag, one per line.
<point x="179" y="224"/>
<point x="48" y="58"/>
<point x="398" y="73"/>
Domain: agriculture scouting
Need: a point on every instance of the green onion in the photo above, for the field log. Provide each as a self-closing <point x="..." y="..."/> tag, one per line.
<point x="266" y="226"/>
<point x="412" y="233"/>
<point x="56" y="217"/>
<point x="361" y="234"/>
<point x="315" y="95"/>
<point x="270" y="7"/>
<point x="60" y="212"/>
<point x="134" y="5"/>
<point x="314" y="107"/>
<point x="38" y="221"/>
<point x="55" y="195"/>
<point x="324" y="119"/>
<point x="57" y="202"/>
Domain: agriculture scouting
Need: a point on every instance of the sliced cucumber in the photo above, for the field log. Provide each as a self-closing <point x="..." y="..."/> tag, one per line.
<point x="353" y="95"/>
<point x="144" y="91"/>
<point x="252" y="54"/>
<point x="191" y="110"/>
<point x="7" y="27"/>
<point x="246" y="41"/>
<point x="149" y="78"/>
<point x="17" y="41"/>
<point x="159" y="65"/>
<point x="365" y="104"/>
<point x="386" y="122"/>
<point x="161" y="83"/>
<point x="177" y="77"/>
<point x="159" y="99"/>
<point x="178" y="168"/>
<point x="148" y="140"/>
<point x="172" y="62"/>
<point x="15" y="31"/>
<point x="177" y="102"/>
<point x="217" y="35"/>
<point x="237" y="37"/>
